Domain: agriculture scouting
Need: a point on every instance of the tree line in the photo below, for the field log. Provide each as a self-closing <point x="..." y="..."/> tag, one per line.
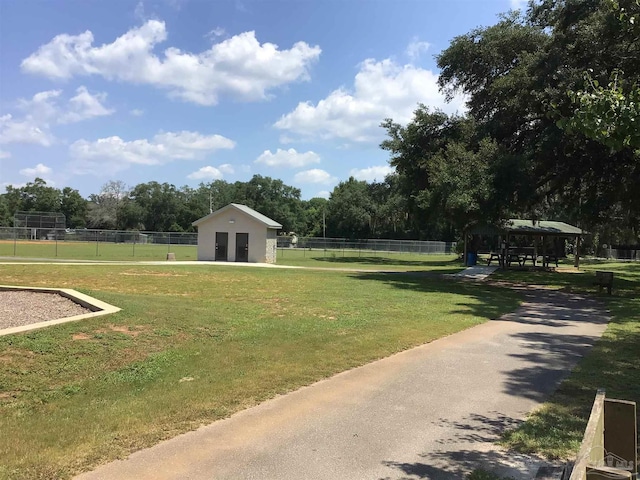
<point x="355" y="209"/>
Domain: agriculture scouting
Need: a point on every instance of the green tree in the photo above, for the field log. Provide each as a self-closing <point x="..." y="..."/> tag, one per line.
<point x="445" y="171"/>
<point x="159" y="205"/>
<point x="350" y="210"/>
<point x="314" y="217"/>
<point x="5" y="217"/>
<point x="611" y="114"/>
<point x="273" y="198"/>
<point x="105" y="208"/>
<point x="74" y="207"/>
<point x="516" y="75"/>
<point x="37" y="196"/>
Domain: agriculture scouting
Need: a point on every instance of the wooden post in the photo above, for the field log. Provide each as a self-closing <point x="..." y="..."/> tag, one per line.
<point x="577" y="255"/>
<point x="620" y="434"/>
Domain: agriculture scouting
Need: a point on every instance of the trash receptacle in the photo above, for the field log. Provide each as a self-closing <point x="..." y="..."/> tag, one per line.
<point x="472" y="259"/>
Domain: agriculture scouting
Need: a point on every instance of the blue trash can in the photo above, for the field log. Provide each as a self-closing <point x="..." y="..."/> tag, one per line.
<point x="472" y="259"/>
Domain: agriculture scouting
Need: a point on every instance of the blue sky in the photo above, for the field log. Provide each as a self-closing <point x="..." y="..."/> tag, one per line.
<point x="187" y="91"/>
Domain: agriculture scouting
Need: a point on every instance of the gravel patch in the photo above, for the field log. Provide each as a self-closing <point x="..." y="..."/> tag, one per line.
<point x="22" y="307"/>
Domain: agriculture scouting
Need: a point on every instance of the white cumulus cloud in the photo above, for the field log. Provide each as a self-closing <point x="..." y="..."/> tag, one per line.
<point x="23" y="131"/>
<point x="288" y="158"/>
<point x="416" y="48"/>
<point x="381" y="90"/>
<point x="84" y="106"/>
<point x="315" y="175"/>
<point x="206" y="173"/>
<point x="112" y="154"/>
<point x="240" y="66"/>
<point x="4" y="154"/>
<point x="216" y="32"/>
<point x="370" y="174"/>
<point x="226" y="168"/>
<point x="40" y="170"/>
<point x="45" y="109"/>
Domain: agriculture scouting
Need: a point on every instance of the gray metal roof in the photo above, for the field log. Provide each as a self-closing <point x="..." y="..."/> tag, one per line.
<point x="529" y="227"/>
<point x="268" y="222"/>
<point x="542" y="227"/>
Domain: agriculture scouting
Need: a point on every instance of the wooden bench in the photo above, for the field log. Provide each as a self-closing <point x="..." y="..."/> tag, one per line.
<point x="604" y="279"/>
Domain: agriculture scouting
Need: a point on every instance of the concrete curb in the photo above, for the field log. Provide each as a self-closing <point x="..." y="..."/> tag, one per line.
<point x="97" y="307"/>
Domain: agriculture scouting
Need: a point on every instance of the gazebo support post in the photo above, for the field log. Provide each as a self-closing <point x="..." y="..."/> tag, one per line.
<point x="464" y="258"/>
<point x="577" y="256"/>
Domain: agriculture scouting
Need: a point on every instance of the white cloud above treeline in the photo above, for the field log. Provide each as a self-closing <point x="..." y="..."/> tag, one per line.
<point x="240" y="66"/>
<point x="382" y="89"/>
<point x="113" y="154"/>
<point x="47" y="108"/>
<point x="288" y="158"/>
<point x="40" y="170"/>
<point x="377" y="173"/>
<point x="315" y="175"/>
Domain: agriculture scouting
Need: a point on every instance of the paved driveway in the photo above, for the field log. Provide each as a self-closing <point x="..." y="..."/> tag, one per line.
<point x="431" y="412"/>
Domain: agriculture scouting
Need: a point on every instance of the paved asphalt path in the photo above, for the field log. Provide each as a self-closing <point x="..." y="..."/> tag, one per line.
<point x="432" y="412"/>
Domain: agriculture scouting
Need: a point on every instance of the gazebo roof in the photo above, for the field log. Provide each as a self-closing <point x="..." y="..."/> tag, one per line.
<point x="518" y="226"/>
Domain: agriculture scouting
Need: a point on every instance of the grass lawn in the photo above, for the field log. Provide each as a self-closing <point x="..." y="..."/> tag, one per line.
<point x="556" y="429"/>
<point x="352" y="259"/>
<point x="194" y="344"/>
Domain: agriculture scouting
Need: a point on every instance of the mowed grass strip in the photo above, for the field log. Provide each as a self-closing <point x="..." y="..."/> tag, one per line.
<point x="192" y="345"/>
<point x="556" y="429"/>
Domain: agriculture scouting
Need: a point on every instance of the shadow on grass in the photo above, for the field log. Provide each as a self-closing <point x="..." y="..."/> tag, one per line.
<point x="388" y="261"/>
<point x="613" y="363"/>
<point x="490" y="301"/>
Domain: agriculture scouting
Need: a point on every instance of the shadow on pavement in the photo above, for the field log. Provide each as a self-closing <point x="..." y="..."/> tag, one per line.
<point x="453" y="463"/>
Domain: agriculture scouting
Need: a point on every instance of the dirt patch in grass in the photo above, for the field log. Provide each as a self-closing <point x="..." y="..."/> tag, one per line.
<point x="119" y="329"/>
<point x="80" y="336"/>
<point x="150" y="274"/>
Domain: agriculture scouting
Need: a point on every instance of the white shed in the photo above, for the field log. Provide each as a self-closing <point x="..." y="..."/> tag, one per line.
<point x="237" y="233"/>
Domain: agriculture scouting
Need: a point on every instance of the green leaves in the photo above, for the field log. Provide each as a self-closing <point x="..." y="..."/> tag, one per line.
<point x="609" y="115"/>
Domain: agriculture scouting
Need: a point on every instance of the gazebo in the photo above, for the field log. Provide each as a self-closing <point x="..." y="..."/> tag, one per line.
<point x="540" y="232"/>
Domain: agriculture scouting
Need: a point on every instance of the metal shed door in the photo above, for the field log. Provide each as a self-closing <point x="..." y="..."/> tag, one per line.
<point x="222" y="241"/>
<point x="242" y="247"/>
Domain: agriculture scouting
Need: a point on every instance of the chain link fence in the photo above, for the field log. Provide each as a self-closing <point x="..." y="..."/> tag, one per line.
<point x="88" y="243"/>
<point x="121" y="245"/>
<point x="375" y="245"/>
